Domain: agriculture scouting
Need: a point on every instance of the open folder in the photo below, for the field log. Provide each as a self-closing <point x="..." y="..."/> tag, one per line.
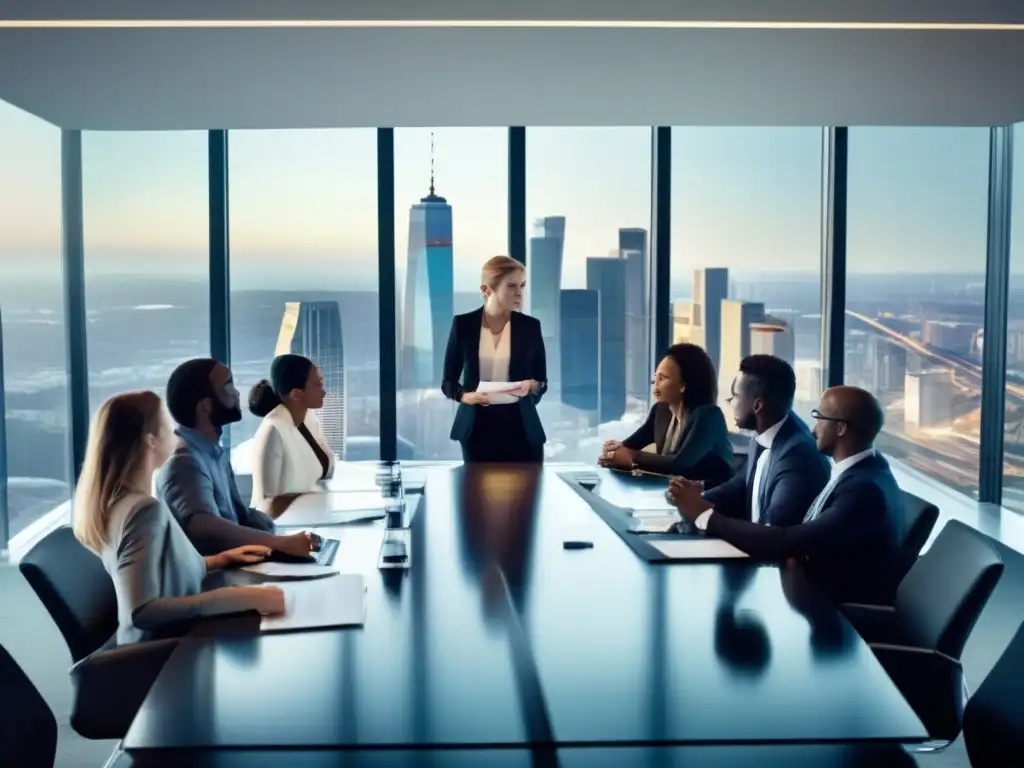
<point x="337" y="601"/>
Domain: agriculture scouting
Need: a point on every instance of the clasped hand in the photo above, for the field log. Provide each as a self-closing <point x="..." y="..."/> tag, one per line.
<point x="687" y="496"/>
<point x="615" y="454"/>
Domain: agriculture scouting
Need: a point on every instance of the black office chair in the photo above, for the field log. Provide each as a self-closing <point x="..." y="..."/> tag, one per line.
<point x="919" y="518"/>
<point x="919" y="639"/>
<point x="110" y="683"/>
<point x="28" y="729"/>
<point x="994" y="716"/>
<point x="75" y="588"/>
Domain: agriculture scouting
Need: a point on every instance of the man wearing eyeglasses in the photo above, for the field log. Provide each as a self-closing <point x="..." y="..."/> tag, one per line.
<point x="850" y="534"/>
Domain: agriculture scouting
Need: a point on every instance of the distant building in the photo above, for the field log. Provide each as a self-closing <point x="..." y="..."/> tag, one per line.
<point x="951" y="336"/>
<point x="682" y="323"/>
<point x="737" y="318"/>
<point x="313" y="329"/>
<point x="581" y="350"/>
<point x="710" y="289"/>
<point x="429" y="292"/>
<point x="929" y="398"/>
<point x="545" y="284"/>
<point x="633" y="248"/>
<point x="773" y="337"/>
<point x="608" y="277"/>
<point x="888" y="365"/>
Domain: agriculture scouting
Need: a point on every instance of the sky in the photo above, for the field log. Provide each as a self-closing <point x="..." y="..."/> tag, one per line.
<point x="303" y="204"/>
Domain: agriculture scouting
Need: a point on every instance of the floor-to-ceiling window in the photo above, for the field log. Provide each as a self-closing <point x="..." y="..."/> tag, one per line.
<point x="145" y="220"/>
<point x="303" y="245"/>
<point x="451" y="215"/>
<point x="1013" y="443"/>
<point x="746" y="249"/>
<point x="32" y="316"/>
<point x="588" y="206"/>
<point x="916" y="243"/>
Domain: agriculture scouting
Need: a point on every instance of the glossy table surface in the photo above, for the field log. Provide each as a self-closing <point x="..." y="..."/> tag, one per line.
<point x="497" y="636"/>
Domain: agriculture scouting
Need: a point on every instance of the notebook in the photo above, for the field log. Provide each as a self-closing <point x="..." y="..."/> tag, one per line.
<point x="337" y="601"/>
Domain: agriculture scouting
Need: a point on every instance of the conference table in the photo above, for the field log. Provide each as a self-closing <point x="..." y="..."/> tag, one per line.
<point x="499" y="641"/>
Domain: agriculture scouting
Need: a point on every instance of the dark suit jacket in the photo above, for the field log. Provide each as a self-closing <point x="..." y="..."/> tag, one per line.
<point x="795" y="475"/>
<point x="852" y="548"/>
<point x="703" y="452"/>
<point x="462" y="361"/>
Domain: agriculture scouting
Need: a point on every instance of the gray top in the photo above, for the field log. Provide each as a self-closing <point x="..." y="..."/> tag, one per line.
<point x="157" y="573"/>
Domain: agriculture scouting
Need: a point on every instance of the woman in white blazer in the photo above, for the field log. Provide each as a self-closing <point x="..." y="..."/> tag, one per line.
<point x="291" y="452"/>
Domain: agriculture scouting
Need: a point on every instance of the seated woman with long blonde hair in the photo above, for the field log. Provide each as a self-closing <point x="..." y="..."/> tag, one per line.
<point x="156" y="571"/>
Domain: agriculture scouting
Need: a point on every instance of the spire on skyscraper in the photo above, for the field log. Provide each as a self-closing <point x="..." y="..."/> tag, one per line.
<point x="433" y="197"/>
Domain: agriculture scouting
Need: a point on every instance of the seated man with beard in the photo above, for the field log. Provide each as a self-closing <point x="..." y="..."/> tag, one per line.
<point x="197" y="483"/>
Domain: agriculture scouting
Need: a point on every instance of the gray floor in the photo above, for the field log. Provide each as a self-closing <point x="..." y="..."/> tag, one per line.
<point x="31" y="637"/>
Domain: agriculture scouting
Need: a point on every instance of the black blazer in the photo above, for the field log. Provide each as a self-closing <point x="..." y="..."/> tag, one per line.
<point x="462" y="361"/>
<point x="703" y="452"/>
<point x="795" y="475"/>
<point x="852" y="548"/>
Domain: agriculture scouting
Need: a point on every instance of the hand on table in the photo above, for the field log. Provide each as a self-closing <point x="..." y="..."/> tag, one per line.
<point x="298" y="544"/>
<point x="687" y="496"/>
<point x="249" y="553"/>
<point x="619" y="458"/>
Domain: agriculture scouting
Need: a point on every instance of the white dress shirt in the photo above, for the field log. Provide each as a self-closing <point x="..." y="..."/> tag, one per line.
<point x="837" y="470"/>
<point x="765" y="440"/>
<point x="495" y="352"/>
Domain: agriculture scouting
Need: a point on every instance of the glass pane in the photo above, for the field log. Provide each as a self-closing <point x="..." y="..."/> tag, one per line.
<point x="746" y="249"/>
<point x="32" y="314"/>
<point x="304" y="273"/>
<point x="1013" y="444"/>
<point x="916" y="238"/>
<point x="451" y="215"/>
<point x="145" y="215"/>
<point x="588" y="205"/>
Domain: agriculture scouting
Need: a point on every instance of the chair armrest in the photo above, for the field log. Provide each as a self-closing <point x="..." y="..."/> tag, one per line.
<point x="875" y="623"/>
<point x="930" y="681"/>
<point x="109" y="686"/>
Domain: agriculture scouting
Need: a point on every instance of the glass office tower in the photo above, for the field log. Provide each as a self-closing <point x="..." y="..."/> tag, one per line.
<point x="633" y="249"/>
<point x="581" y="341"/>
<point x="608" y="278"/>
<point x="545" y="280"/>
<point x="429" y="292"/>
<point x="313" y="329"/>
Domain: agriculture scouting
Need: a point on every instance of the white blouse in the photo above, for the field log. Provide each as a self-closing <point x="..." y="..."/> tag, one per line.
<point x="495" y="352"/>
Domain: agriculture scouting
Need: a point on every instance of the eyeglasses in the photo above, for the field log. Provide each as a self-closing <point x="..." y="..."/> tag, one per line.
<point x="819" y="416"/>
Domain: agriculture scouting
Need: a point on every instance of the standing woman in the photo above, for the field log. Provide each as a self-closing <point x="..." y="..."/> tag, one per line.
<point x="497" y="343"/>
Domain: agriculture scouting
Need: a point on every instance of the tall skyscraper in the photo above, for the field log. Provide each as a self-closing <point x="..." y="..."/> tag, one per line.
<point x="634" y="250"/>
<point x="608" y="277"/>
<point x="736" y="318"/>
<point x="545" y="284"/>
<point x="429" y="290"/>
<point x="313" y="329"/>
<point x="581" y="345"/>
<point x="710" y="288"/>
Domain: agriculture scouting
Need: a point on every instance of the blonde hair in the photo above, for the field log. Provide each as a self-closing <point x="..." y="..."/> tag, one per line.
<point x="113" y="455"/>
<point x="497" y="268"/>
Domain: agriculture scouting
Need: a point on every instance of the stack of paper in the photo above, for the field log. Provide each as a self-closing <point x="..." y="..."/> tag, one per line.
<point x="659" y="524"/>
<point x="277" y="570"/>
<point x="499" y="391"/>
<point x="339" y="601"/>
<point x="697" y="548"/>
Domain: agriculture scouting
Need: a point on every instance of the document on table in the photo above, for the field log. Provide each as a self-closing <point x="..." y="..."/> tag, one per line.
<point x="698" y="548"/>
<point x="339" y="601"/>
<point x="644" y="503"/>
<point x="355" y="501"/>
<point x="290" y="570"/>
<point x="661" y="524"/>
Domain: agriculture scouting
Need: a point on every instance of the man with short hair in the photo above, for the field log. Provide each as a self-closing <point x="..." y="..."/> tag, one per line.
<point x="784" y="470"/>
<point x="197" y="483"/>
<point x="850" y="534"/>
